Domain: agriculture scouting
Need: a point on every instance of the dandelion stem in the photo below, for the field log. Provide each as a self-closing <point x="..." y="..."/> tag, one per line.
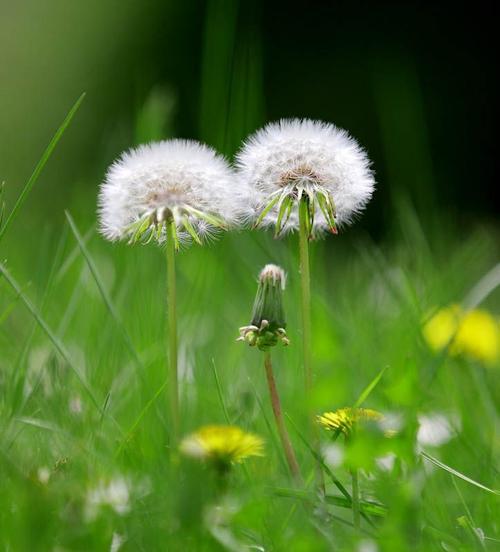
<point x="305" y="287"/>
<point x="355" y="499"/>
<point x="172" y="332"/>
<point x="280" y="423"/>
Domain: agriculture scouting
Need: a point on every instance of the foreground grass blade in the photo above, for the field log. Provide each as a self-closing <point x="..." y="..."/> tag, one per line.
<point x="102" y="290"/>
<point x="50" y="334"/>
<point x="371" y="508"/>
<point x="40" y="165"/>
<point x="220" y="394"/>
<point x="456" y="473"/>
<point x="369" y="388"/>
<point x="143" y="412"/>
<point x="328" y="471"/>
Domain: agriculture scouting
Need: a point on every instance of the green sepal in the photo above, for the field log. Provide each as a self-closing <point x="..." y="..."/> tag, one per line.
<point x="266" y="210"/>
<point x="283" y="213"/>
<point x="190" y="229"/>
<point x="211" y="219"/>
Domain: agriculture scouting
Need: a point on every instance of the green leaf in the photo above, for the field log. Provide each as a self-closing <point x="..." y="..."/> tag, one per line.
<point x="40" y="165"/>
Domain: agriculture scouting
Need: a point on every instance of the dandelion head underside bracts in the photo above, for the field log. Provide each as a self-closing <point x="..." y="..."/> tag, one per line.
<point x="313" y="161"/>
<point x="178" y="182"/>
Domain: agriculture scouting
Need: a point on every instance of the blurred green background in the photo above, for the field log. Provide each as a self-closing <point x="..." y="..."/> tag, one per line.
<point x="412" y="81"/>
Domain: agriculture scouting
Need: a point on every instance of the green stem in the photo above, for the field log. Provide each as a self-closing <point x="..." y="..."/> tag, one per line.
<point x="172" y="332"/>
<point x="278" y="416"/>
<point x="355" y="499"/>
<point x="305" y="287"/>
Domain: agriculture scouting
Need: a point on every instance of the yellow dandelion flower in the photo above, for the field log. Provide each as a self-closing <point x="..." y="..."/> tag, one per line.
<point x="475" y="333"/>
<point x="222" y="444"/>
<point x="345" y="419"/>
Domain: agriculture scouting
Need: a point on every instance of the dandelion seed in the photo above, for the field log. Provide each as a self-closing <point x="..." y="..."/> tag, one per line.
<point x="345" y="420"/>
<point x="222" y="445"/>
<point x="295" y="160"/>
<point x="181" y="182"/>
<point x="474" y="333"/>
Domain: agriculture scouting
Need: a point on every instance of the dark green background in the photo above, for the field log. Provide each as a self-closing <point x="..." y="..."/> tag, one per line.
<point x="413" y="81"/>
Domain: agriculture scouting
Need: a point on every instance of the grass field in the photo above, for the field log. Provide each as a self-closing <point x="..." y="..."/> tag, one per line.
<point x="86" y="456"/>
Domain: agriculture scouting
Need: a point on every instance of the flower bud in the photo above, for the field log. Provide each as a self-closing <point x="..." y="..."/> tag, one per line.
<point x="268" y="317"/>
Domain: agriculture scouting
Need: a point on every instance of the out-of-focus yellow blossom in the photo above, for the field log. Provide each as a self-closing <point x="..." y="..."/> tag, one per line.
<point x="222" y="444"/>
<point x="475" y="333"/>
<point x="345" y="419"/>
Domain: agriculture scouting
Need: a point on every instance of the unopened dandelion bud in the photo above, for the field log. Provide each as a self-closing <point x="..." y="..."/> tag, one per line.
<point x="268" y="317"/>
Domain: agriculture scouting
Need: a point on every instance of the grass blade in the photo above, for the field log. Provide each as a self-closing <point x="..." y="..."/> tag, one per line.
<point x="328" y="471"/>
<point x="219" y="392"/>
<point x="456" y="473"/>
<point x="102" y="290"/>
<point x="40" y="165"/>
<point x="50" y="334"/>
<point x="369" y="388"/>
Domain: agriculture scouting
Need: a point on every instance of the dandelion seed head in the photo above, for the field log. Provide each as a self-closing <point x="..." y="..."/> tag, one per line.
<point x="167" y="179"/>
<point x="308" y="154"/>
<point x="222" y="444"/>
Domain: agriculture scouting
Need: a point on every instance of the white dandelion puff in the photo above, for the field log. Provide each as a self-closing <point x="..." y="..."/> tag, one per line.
<point x="174" y="181"/>
<point x="311" y="160"/>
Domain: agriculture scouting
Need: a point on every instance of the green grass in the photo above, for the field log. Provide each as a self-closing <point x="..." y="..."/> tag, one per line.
<point x="83" y="323"/>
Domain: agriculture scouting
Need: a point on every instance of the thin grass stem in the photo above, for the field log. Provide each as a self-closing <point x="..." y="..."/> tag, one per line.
<point x="355" y="499"/>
